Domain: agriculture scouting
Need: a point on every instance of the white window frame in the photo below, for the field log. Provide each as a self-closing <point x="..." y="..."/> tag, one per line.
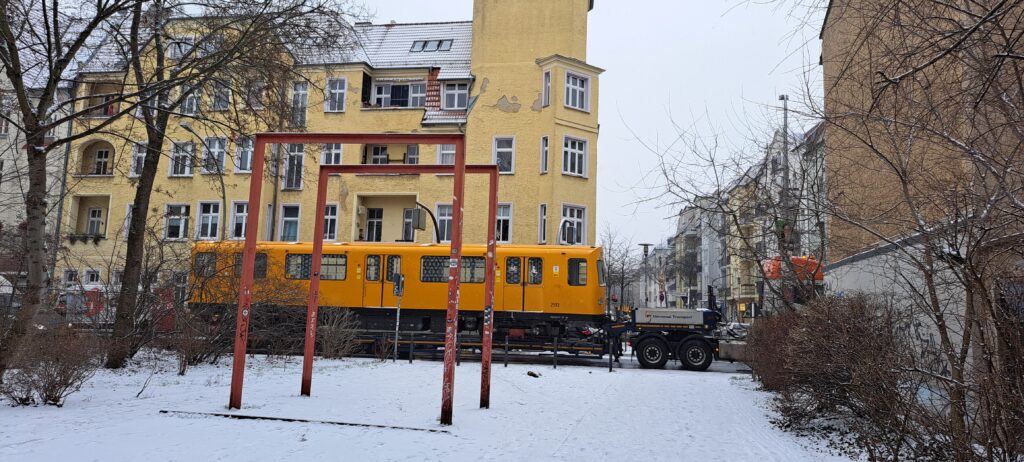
<point x="582" y="160"/>
<point x="220" y="97"/>
<point x="407" y="224"/>
<point x="138" y="159"/>
<point x="183" y="227"/>
<point x="105" y="162"/>
<point x="442" y="150"/>
<point x="542" y="224"/>
<point x="298" y="223"/>
<point x="242" y="152"/>
<point x="455" y="91"/>
<point x="412" y="153"/>
<point x="443" y="222"/>
<point x="300" y="100"/>
<point x="187" y="148"/>
<point x="128" y="209"/>
<point x="375" y="153"/>
<point x="582" y="223"/>
<point x="293" y="153"/>
<point x="420" y="96"/>
<point x="254" y="94"/>
<point x="92" y="272"/>
<point x="328" y="216"/>
<point x="378" y="221"/>
<point x="97" y="220"/>
<point x="512" y="154"/>
<point x="179" y="47"/>
<point x="217" y="145"/>
<point x="213" y="218"/>
<point x="582" y="93"/>
<point x="70" y="277"/>
<point x="334" y="99"/>
<point x="546" y="89"/>
<point x="190" y="104"/>
<point x="545" y="153"/>
<point x="498" y="218"/>
<point x="238" y="218"/>
<point x="331" y="156"/>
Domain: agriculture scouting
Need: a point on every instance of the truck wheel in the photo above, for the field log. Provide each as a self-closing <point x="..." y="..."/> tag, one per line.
<point x="695" y="355"/>
<point x="653" y="354"/>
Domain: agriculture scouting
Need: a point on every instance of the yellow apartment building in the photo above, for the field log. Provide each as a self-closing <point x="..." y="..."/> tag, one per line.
<point x="515" y="80"/>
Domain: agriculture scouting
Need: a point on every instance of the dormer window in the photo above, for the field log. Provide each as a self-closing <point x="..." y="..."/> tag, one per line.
<point x="431" y="45"/>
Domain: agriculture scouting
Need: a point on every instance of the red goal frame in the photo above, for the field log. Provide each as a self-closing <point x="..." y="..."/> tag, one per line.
<point x="459" y="169"/>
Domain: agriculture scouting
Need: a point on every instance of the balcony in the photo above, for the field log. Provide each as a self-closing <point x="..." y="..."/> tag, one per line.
<point x="95" y="159"/>
<point x="89" y="219"/>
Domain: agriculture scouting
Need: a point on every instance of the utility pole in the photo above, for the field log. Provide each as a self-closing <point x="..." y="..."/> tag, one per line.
<point x="788" y="219"/>
<point x="646" y="273"/>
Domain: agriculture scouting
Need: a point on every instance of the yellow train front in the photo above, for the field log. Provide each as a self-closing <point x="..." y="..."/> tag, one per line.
<point x="539" y="291"/>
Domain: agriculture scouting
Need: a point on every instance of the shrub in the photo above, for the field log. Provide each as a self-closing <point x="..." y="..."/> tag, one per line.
<point x="338" y="334"/>
<point x="51" y="366"/>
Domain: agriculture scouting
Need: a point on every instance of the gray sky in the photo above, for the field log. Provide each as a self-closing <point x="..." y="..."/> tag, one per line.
<point x="717" y="64"/>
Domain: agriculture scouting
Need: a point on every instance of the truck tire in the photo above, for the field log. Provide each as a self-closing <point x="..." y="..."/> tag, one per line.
<point x="653" y="353"/>
<point x="695" y="355"/>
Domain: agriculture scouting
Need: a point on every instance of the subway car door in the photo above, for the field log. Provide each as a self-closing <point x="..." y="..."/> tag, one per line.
<point x="373" y="286"/>
<point x="392" y="267"/>
<point x="512" y="289"/>
<point x="533" y="279"/>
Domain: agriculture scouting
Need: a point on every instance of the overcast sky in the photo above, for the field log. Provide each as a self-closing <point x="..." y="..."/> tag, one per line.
<point x="719" y="64"/>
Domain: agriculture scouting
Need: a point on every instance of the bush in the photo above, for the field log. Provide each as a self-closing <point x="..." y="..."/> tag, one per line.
<point x="766" y="345"/>
<point x="51" y="366"/>
<point x="338" y="333"/>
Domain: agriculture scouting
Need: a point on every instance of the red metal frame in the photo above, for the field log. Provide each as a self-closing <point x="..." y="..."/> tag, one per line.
<point x="451" y="325"/>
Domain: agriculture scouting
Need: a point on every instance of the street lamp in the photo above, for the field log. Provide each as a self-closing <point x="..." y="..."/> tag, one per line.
<point x="646" y="273"/>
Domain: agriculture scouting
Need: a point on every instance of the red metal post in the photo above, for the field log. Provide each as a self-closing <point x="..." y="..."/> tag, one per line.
<point x="248" y="265"/>
<point x="490" y="260"/>
<point x="314" y="283"/>
<point x="454" y="277"/>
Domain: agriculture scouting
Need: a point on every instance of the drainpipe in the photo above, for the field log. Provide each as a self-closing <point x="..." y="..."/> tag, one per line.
<point x="275" y="158"/>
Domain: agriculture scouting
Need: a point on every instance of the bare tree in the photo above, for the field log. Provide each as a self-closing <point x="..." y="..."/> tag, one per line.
<point x="622" y="263"/>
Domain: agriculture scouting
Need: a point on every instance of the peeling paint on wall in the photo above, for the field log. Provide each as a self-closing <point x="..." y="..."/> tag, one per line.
<point x="538" y="103"/>
<point x="483" y="85"/>
<point x="505" y="105"/>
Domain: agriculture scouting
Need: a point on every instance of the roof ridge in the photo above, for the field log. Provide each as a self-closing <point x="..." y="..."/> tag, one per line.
<point x="424" y="23"/>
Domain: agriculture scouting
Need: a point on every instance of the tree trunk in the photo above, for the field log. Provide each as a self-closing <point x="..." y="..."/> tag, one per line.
<point x="35" y="249"/>
<point x="123" y="344"/>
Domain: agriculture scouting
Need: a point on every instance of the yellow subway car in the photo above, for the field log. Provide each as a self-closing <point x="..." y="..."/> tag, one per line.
<point x="539" y="290"/>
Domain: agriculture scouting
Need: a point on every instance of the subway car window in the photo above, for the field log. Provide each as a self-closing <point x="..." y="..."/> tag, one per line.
<point x="297" y="266"/>
<point x="205" y="265"/>
<point x="513" y="270"/>
<point x="473" y="269"/>
<point x="577" y="272"/>
<point x="259" y="272"/>
<point x="373" y="267"/>
<point x="394" y="267"/>
<point x="601" y="273"/>
<point x="434" y="269"/>
<point x="334" y="267"/>
<point x="535" y="271"/>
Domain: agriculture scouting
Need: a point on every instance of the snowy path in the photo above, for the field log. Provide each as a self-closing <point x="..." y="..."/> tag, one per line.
<point x="572" y="413"/>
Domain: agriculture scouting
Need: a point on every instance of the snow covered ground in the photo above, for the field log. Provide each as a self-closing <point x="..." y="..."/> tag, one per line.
<point x="572" y="413"/>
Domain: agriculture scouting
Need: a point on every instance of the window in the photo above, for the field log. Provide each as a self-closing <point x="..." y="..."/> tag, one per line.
<point x="293" y="166"/>
<point x="505" y="154"/>
<point x="435" y="269"/>
<point x="574" y="157"/>
<point x="92" y="276"/>
<point x="456" y="96"/>
<point x="239" y="218"/>
<point x="542" y="224"/>
<point x="335" y="95"/>
<point x="400" y="95"/>
<point x="260" y="269"/>
<point x="70" y="277"/>
<point x="300" y="101"/>
<point x="209" y="221"/>
<point x="254" y="94"/>
<point x="180" y="280"/>
<point x="503" y="223"/>
<point x="138" y="159"/>
<point x="444" y="222"/>
<point x="600" y="273"/>
<point x="546" y="91"/>
<point x="408" y="226"/>
<point x="330" y="154"/>
<point x="213" y="155"/>
<point x="417" y="45"/>
<point x="544" y="149"/>
<point x="179" y="47"/>
<point x="221" y="98"/>
<point x="577" y="92"/>
<point x="190" y="101"/>
<point x="373" y="267"/>
<point x="94" y="225"/>
<point x="290" y="223"/>
<point x="129" y="210"/>
<point x="298" y="266"/>
<point x="472" y="270"/>
<point x="243" y="155"/>
<point x="534" y="271"/>
<point x="205" y="265"/>
<point x="116" y="277"/>
<point x="176" y="222"/>
<point x="331" y="222"/>
<point x="412" y="154"/>
<point x="513" y="270"/>
<point x="378" y="155"/>
<point x="577" y="272"/>
<point x="211" y="44"/>
<point x="417" y="95"/>
<point x="572" y="224"/>
<point x="181" y="158"/>
<point x="431" y="46"/>
<point x="446" y="154"/>
<point x="394" y="268"/>
<point x="374" y="224"/>
<point x="333" y="267"/>
<point x="101" y="162"/>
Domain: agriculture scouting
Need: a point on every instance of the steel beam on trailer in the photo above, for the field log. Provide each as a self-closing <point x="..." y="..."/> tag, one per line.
<point x="490" y="261"/>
